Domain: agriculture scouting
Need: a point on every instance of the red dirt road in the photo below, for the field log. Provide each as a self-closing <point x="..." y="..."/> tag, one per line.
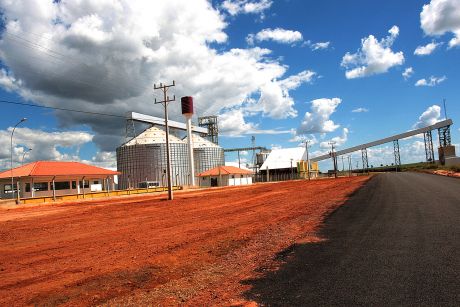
<point x="194" y="250"/>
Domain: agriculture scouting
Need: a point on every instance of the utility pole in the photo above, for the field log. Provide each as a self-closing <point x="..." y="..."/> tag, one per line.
<point x="164" y="88"/>
<point x="308" y="159"/>
<point x="334" y="160"/>
<point x="349" y="166"/>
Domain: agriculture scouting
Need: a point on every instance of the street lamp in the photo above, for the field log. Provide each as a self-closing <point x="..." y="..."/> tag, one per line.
<point x="23" y="155"/>
<point x="12" y="178"/>
<point x="291" y="168"/>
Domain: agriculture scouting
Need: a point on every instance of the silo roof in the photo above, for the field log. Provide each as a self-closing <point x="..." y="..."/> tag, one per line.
<point x="153" y="135"/>
<point x="199" y="142"/>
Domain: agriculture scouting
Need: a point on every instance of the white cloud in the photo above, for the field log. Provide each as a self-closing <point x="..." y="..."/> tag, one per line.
<point x="44" y="145"/>
<point x="360" y="110"/>
<point x="235" y="7"/>
<point x="427" y="49"/>
<point x="442" y="16"/>
<point x="275" y="100"/>
<point x="104" y="159"/>
<point x="301" y="139"/>
<point x="233" y="124"/>
<point x="429" y="117"/>
<point x="432" y="81"/>
<point x="374" y="57"/>
<point x="318" y="120"/>
<point x="317" y="46"/>
<point x="320" y="46"/>
<point x="278" y="35"/>
<point x="338" y="140"/>
<point x="408" y="72"/>
<point x="106" y="55"/>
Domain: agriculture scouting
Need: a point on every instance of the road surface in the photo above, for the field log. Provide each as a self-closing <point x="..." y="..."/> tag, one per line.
<point x="395" y="242"/>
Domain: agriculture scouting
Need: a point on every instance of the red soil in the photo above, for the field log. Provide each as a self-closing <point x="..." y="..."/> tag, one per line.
<point x="194" y="250"/>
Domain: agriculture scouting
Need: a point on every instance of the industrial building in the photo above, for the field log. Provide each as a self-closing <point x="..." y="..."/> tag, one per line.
<point x="51" y="178"/>
<point x="221" y="176"/>
<point x="143" y="158"/>
<point x="286" y="164"/>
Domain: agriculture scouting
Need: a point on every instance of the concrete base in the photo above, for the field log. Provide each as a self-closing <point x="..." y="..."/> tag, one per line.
<point x="452" y="161"/>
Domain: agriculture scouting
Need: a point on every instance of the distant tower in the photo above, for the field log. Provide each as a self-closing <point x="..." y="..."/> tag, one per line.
<point x="210" y="122"/>
<point x="187" y="111"/>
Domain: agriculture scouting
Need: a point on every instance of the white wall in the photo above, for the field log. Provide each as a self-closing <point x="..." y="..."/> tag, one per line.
<point x="246" y="179"/>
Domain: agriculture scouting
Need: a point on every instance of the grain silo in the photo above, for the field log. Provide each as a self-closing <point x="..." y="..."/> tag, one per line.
<point x="143" y="158"/>
<point x="207" y="155"/>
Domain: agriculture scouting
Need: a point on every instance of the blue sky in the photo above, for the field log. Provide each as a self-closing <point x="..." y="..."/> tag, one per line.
<point x="259" y="65"/>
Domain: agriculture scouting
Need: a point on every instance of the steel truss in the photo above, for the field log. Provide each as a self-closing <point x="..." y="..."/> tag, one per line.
<point x="444" y="136"/>
<point x="396" y="153"/>
<point x="429" y="151"/>
<point x="365" y="160"/>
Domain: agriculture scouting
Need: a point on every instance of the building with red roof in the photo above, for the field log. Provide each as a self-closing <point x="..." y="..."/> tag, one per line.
<point x="51" y="178"/>
<point x="225" y="176"/>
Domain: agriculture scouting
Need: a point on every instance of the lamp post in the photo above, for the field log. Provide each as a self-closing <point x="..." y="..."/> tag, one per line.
<point x="24" y="154"/>
<point x="291" y="168"/>
<point x="12" y="178"/>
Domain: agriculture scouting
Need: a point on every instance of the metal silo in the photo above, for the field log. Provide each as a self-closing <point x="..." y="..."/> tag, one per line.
<point x="206" y="154"/>
<point x="143" y="158"/>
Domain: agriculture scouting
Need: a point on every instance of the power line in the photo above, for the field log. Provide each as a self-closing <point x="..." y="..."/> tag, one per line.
<point x="60" y="109"/>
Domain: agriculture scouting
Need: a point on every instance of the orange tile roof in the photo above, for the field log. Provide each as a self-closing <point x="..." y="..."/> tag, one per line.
<point x="224" y="170"/>
<point x="56" y="168"/>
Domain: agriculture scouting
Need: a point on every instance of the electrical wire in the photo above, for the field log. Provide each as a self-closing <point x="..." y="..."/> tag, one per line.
<point x="60" y="109"/>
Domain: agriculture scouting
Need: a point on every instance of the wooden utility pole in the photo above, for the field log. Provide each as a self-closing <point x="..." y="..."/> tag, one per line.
<point x="164" y="102"/>
<point x="334" y="158"/>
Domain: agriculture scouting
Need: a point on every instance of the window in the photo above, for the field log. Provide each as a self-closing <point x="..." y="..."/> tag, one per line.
<point x="74" y="185"/>
<point x="241" y="176"/>
<point x="27" y="187"/>
<point x="62" y="185"/>
<point x="41" y="186"/>
<point x="86" y="184"/>
<point x="96" y="182"/>
<point x="7" y="188"/>
<point x="233" y="176"/>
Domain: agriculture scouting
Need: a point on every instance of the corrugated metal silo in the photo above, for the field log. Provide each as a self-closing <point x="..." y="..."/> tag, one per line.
<point x="143" y="158"/>
<point x="207" y="155"/>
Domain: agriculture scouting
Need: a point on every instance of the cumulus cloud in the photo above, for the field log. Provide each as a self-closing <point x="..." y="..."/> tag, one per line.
<point x="374" y="56"/>
<point x="338" y="140"/>
<point x="278" y="35"/>
<point x="106" y="55"/>
<point x="442" y="16"/>
<point x="427" y="49"/>
<point x="59" y="146"/>
<point x="318" y="120"/>
<point x="275" y="100"/>
<point x="235" y="7"/>
<point x="232" y="123"/>
<point x="432" y="81"/>
<point x="360" y="110"/>
<point x="429" y="117"/>
<point x="408" y="72"/>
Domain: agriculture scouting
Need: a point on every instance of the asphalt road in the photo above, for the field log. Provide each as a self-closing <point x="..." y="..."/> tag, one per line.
<point x="396" y="242"/>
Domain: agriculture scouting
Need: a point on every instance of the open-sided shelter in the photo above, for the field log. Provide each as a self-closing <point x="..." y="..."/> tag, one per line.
<point x="51" y="178"/>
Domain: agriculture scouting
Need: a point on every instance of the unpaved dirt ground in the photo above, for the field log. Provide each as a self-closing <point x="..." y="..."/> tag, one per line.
<point x="195" y="250"/>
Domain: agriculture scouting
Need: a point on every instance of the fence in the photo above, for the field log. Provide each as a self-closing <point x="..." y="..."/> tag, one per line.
<point x="70" y="197"/>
